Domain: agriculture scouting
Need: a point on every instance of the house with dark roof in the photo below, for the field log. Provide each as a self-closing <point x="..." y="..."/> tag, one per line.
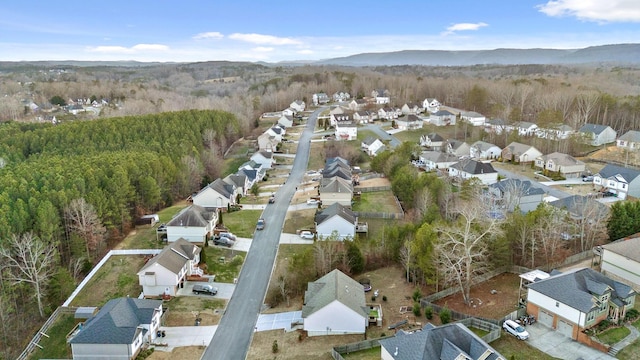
<point x="523" y="128"/>
<point x="442" y="118"/>
<point x="452" y="341"/>
<point x="469" y="168"/>
<point x="118" y="330"/>
<point x="520" y="153"/>
<point x="437" y="160"/>
<point x="264" y="158"/>
<point x="372" y="146"/>
<point x="336" y="190"/>
<point x="573" y="301"/>
<point x="193" y="223"/>
<point x="564" y="164"/>
<point x="580" y="207"/>
<point x="409" y="122"/>
<point x="277" y="132"/>
<point x="483" y="150"/>
<point x="388" y="113"/>
<point x="240" y="180"/>
<point x="320" y="98"/>
<point x="597" y="135"/>
<point x="457" y="147"/>
<point x="432" y="141"/>
<point x="381" y="96"/>
<point x="620" y="260"/>
<point x="217" y="194"/>
<point x="363" y="117"/>
<point x="495" y="126"/>
<point x="336" y="218"/>
<point x="286" y="121"/>
<point x="516" y="193"/>
<point x="166" y="272"/>
<point x="622" y="181"/>
<point x="335" y="305"/>
<point x="630" y="140"/>
<point x="341" y="96"/>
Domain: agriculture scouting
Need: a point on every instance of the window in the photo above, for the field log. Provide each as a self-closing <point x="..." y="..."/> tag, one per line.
<point x="557" y="304"/>
<point x="591" y="316"/>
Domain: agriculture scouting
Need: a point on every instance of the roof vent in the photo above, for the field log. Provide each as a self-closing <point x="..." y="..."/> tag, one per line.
<point x="396" y="352"/>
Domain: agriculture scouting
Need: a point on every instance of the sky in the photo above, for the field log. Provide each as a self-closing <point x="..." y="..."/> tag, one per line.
<point x="277" y="30"/>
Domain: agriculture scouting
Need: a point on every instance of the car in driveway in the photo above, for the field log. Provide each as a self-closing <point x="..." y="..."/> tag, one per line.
<point x="587" y="178"/>
<point x="515" y="329"/>
<point x="313" y="202"/>
<point x="306" y="234"/>
<point x="204" y="289"/>
<point x="228" y="235"/>
<point x="223" y="241"/>
<point x="260" y="225"/>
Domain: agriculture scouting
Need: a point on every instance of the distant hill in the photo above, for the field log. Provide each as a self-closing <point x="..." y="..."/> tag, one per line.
<point x="619" y="53"/>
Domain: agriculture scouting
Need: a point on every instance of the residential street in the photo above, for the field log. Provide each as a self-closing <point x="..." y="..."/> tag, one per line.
<point x="235" y="331"/>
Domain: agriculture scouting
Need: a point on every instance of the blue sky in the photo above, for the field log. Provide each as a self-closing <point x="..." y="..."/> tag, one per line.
<point x="259" y="30"/>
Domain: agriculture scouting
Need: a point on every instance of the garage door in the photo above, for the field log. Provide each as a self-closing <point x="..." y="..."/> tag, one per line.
<point x="545" y="319"/>
<point x="565" y="328"/>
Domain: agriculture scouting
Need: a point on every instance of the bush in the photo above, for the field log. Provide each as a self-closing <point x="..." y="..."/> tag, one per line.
<point x="373" y="298"/>
<point x="384" y="297"/>
<point x="631" y="314"/>
<point x="274" y="346"/>
<point x="143" y="354"/>
<point x="416" y="294"/>
<point x="603" y="325"/>
<point x="428" y="312"/>
<point x="416" y="309"/>
<point x="445" y="316"/>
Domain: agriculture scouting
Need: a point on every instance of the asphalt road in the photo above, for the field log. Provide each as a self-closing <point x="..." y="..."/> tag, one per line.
<point x="235" y="330"/>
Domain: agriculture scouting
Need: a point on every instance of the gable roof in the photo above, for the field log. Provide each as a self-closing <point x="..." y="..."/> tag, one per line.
<point x="337" y="158"/>
<point x="629" y="248"/>
<point x="474" y="167"/>
<point x="445" y="342"/>
<point x="578" y="205"/>
<point x="628" y="174"/>
<point x="194" y="215"/>
<point x="593" y="128"/>
<point x="336" y="184"/>
<point x="438" y="156"/>
<point x="336" y="209"/>
<point x="471" y="114"/>
<point x="335" y="286"/>
<point x="524" y="187"/>
<point x="495" y="122"/>
<point x="482" y="145"/>
<point x="631" y="135"/>
<point x="220" y="187"/>
<point x="517" y="148"/>
<point x="251" y="174"/>
<point x="174" y="256"/>
<point x="434" y="137"/>
<point x="238" y="179"/>
<point x="444" y="113"/>
<point x="455" y="144"/>
<point x="524" y="125"/>
<point x="117" y="322"/>
<point x="576" y="288"/>
<point x="409" y="118"/>
<point x="561" y="159"/>
<point x="369" y="140"/>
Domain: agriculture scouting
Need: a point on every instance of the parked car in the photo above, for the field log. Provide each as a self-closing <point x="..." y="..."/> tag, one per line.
<point x="205" y="289"/>
<point x="261" y="224"/>
<point x="313" y="202"/>
<point x="515" y="329"/>
<point x="306" y="234"/>
<point x="608" y="194"/>
<point x="272" y="199"/>
<point x="587" y="178"/>
<point x="224" y="241"/>
<point x="228" y="235"/>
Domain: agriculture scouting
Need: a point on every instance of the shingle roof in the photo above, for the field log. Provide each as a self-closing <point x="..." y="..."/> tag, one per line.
<point x="473" y="167"/>
<point x="578" y="205"/>
<point x="337" y="172"/>
<point x="593" y="128"/>
<point x="331" y="287"/>
<point x="336" y="209"/>
<point x="455" y="144"/>
<point x="517" y="148"/>
<point x="438" y="156"/>
<point x="220" y="187"/>
<point x="444" y="113"/>
<point x="524" y="187"/>
<point x="495" y="122"/>
<point x="117" y="322"/>
<point x="173" y="257"/>
<point x="628" y="248"/>
<point x="435" y="137"/>
<point x="445" y="342"/>
<point x="369" y="140"/>
<point x="631" y="135"/>
<point x="610" y="170"/>
<point x="471" y="114"/>
<point x="334" y="159"/>
<point x="193" y="215"/>
<point x="250" y="174"/>
<point x="336" y="185"/>
<point x="561" y="159"/>
<point x="482" y="145"/>
<point x="576" y="288"/>
<point x="238" y="179"/>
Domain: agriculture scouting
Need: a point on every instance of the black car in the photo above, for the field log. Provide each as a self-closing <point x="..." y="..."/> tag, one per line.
<point x="223" y="241"/>
<point x="204" y="289"/>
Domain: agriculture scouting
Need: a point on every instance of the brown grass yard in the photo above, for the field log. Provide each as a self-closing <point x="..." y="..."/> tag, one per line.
<point x="181" y="353"/>
<point x="290" y="347"/>
<point x="300" y="219"/>
<point x="183" y="310"/>
<point x="378" y="201"/>
<point x="316" y="156"/>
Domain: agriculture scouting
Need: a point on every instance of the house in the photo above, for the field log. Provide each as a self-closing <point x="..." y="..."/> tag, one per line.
<point x="456" y="147"/>
<point x="495" y="126"/>
<point x="620" y="260"/>
<point x="484" y="150"/>
<point x="524" y="128"/>
<point x="442" y="118"/>
<point x="387" y="113"/>
<point x="218" y="194"/>
<point x="340" y="96"/>
<point x="277" y="132"/>
<point x="630" y="140"/>
<point x="573" y="301"/>
<point x="288" y="112"/>
<point x="597" y="135"/>
<point x="382" y="96"/>
<point x="286" y="121"/>
<point x="432" y="141"/>
<point x="473" y="118"/>
<point x="452" y="341"/>
<point x="559" y="132"/>
<point x="166" y="272"/>
<point x="411" y="108"/>
<point x="297" y="105"/>
<point x="437" y="160"/>
<point x="267" y="142"/>
<point x="468" y="168"/>
<point x="336" y="171"/>
<point x="193" y="223"/>
<point x="252" y="176"/>
<point x="372" y="146"/>
<point x="357" y="104"/>
<point x="252" y="165"/>
<point x="431" y="105"/>
<point x="346" y="131"/>
<point x="334" y="305"/>
<point x="515" y="193"/>
<point x="336" y="190"/>
<point x="362" y="117"/>
<point x="264" y="158"/>
<point x="582" y="208"/>
<point x="118" y="330"/>
<point x="342" y="117"/>
<point x="619" y="180"/>
<point x="336" y="218"/>
<point x="409" y="122"/>
<point x="520" y="153"/>
<point x="320" y="99"/>
<point x="241" y="181"/>
<point x="561" y="163"/>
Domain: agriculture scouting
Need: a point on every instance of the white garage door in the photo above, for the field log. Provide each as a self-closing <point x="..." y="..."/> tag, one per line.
<point x="545" y="319"/>
<point x="565" y="328"/>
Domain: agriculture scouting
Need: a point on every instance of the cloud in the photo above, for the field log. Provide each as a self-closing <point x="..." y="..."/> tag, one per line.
<point x="305" y="52"/>
<point x="263" y="49"/>
<point x="264" y="39"/>
<point x="464" y="27"/>
<point x="128" y="50"/>
<point x="208" y="35"/>
<point x="594" y="10"/>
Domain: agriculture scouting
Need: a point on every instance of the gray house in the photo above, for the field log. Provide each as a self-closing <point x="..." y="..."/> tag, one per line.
<point x="597" y="135"/>
<point x="118" y="330"/>
<point x="619" y="180"/>
<point x="565" y="164"/>
<point x="516" y="193"/>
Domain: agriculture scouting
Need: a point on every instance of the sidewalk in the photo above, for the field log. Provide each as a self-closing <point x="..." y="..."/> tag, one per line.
<point x="626" y="341"/>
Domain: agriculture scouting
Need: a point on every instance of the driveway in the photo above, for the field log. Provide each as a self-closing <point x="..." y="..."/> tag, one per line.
<point x="225" y="290"/>
<point x="294" y="239"/>
<point x="177" y="336"/>
<point x="278" y="321"/>
<point x="557" y="345"/>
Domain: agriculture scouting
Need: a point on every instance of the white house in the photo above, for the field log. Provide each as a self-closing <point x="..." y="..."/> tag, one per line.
<point x="431" y="105"/>
<point x="565" y="164"/>
<point x="336" y="190"/>
<point x="362" y="117"/>
<point x="118" y="330"/>
<point x="521" y="153"/>
<point x="620" y="260"/>
<point x="484" y="150"/>
<point x="241" y="182"/>
<point x="442" y="118"/>
<point x="473" y="118"/>
<point x="382" y="96"/>
<point x="630" y="140"/>
<point x="336" y="218"/>
<point x="341" y="115"/>
<point x="524" y="128"/>
<point x="346" y="131"/>
<point x="372" y="146"/>
<point x="409" y="122"/>
<point x="495" y="126"/>
<point x="277" y="132"/>
<point x="217" y="194"/>
<point x="411" y="108"/>
<point x="267" y="142"/>
<point x="286" y="121"/>
<point x="559" y="132"/>
<point x="297" y="105"/>
<point x="388" y="113"/>
<point x="166" y="272"/>
<point x="437" y="160"/>
<point x="288" y="112"/>
<point x="320" y="98"/>
<point x="432" y="141"/>
<point x="619" y="180"/>
<point x="265" y="158"/>
<point x="456" y="147"/>
<point x="334" y="305"/>
<point x="340" y="96"/>
<point x="193" y="223"/>
<point x="578" y="299"/>
<point x="468" y="168"/>
<point x="357" y="104"/>
<point x="597" y="135"/>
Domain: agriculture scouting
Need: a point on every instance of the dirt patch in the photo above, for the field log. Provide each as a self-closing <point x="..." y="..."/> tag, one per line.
<point x="294" y="345"/>
<point x="185" y="318"/>
<point x="375" y="182"/>
<point x="180" y="353"/>
<point x="486" y="302"/>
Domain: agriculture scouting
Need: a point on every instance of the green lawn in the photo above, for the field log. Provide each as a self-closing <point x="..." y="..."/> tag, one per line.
<point x="633" y="350"/>
<point x="412" y="135"/>
<point x="224" y="263"/>
<point x="512" y="348"/>
<point x="242" y="223"/>
<point x="613" y="335"/>
<point x="193" y="303"/>
<point x="55" y="346"/>
<point x="369" y="354"/>
<point x="377" y="201"/>
<point x="363" y="134"/>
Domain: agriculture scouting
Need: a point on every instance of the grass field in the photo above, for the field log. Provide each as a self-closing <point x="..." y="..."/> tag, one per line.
<point x="225" y="264"/>
<point x="55" y="346"/>
<point x="242" y="223"/>
<point x="378" y="201"/>
<point x="316" y="156"/>
<point x="300" y="219"/>
<point x="144" y="237"/>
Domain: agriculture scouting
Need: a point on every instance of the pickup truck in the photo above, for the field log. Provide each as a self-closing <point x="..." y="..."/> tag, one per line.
<point x="260" y="225"/>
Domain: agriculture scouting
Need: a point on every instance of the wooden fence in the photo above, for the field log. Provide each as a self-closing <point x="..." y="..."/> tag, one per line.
<point x="43" y="330"/>
<point x="378" y="215"/>
<point x="353" y="347"/>
<point x="372" y="188"/>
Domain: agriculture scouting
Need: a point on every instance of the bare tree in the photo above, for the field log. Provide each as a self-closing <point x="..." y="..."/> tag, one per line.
<point x="82" y="219"/>
<point x="405" y="257"/>
<point x="283" y="286"/>
<point x="29" y="260"/>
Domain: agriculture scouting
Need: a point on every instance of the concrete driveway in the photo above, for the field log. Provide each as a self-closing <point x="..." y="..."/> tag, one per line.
<point x="177" y="336"/>
<point x="557" y="345"/>
<point x="225" y="290"/>
<point x="278" y="321"/>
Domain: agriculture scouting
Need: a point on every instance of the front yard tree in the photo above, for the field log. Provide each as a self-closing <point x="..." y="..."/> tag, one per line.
<point x="461" y="252"/>
<point x="29" y="260"/>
